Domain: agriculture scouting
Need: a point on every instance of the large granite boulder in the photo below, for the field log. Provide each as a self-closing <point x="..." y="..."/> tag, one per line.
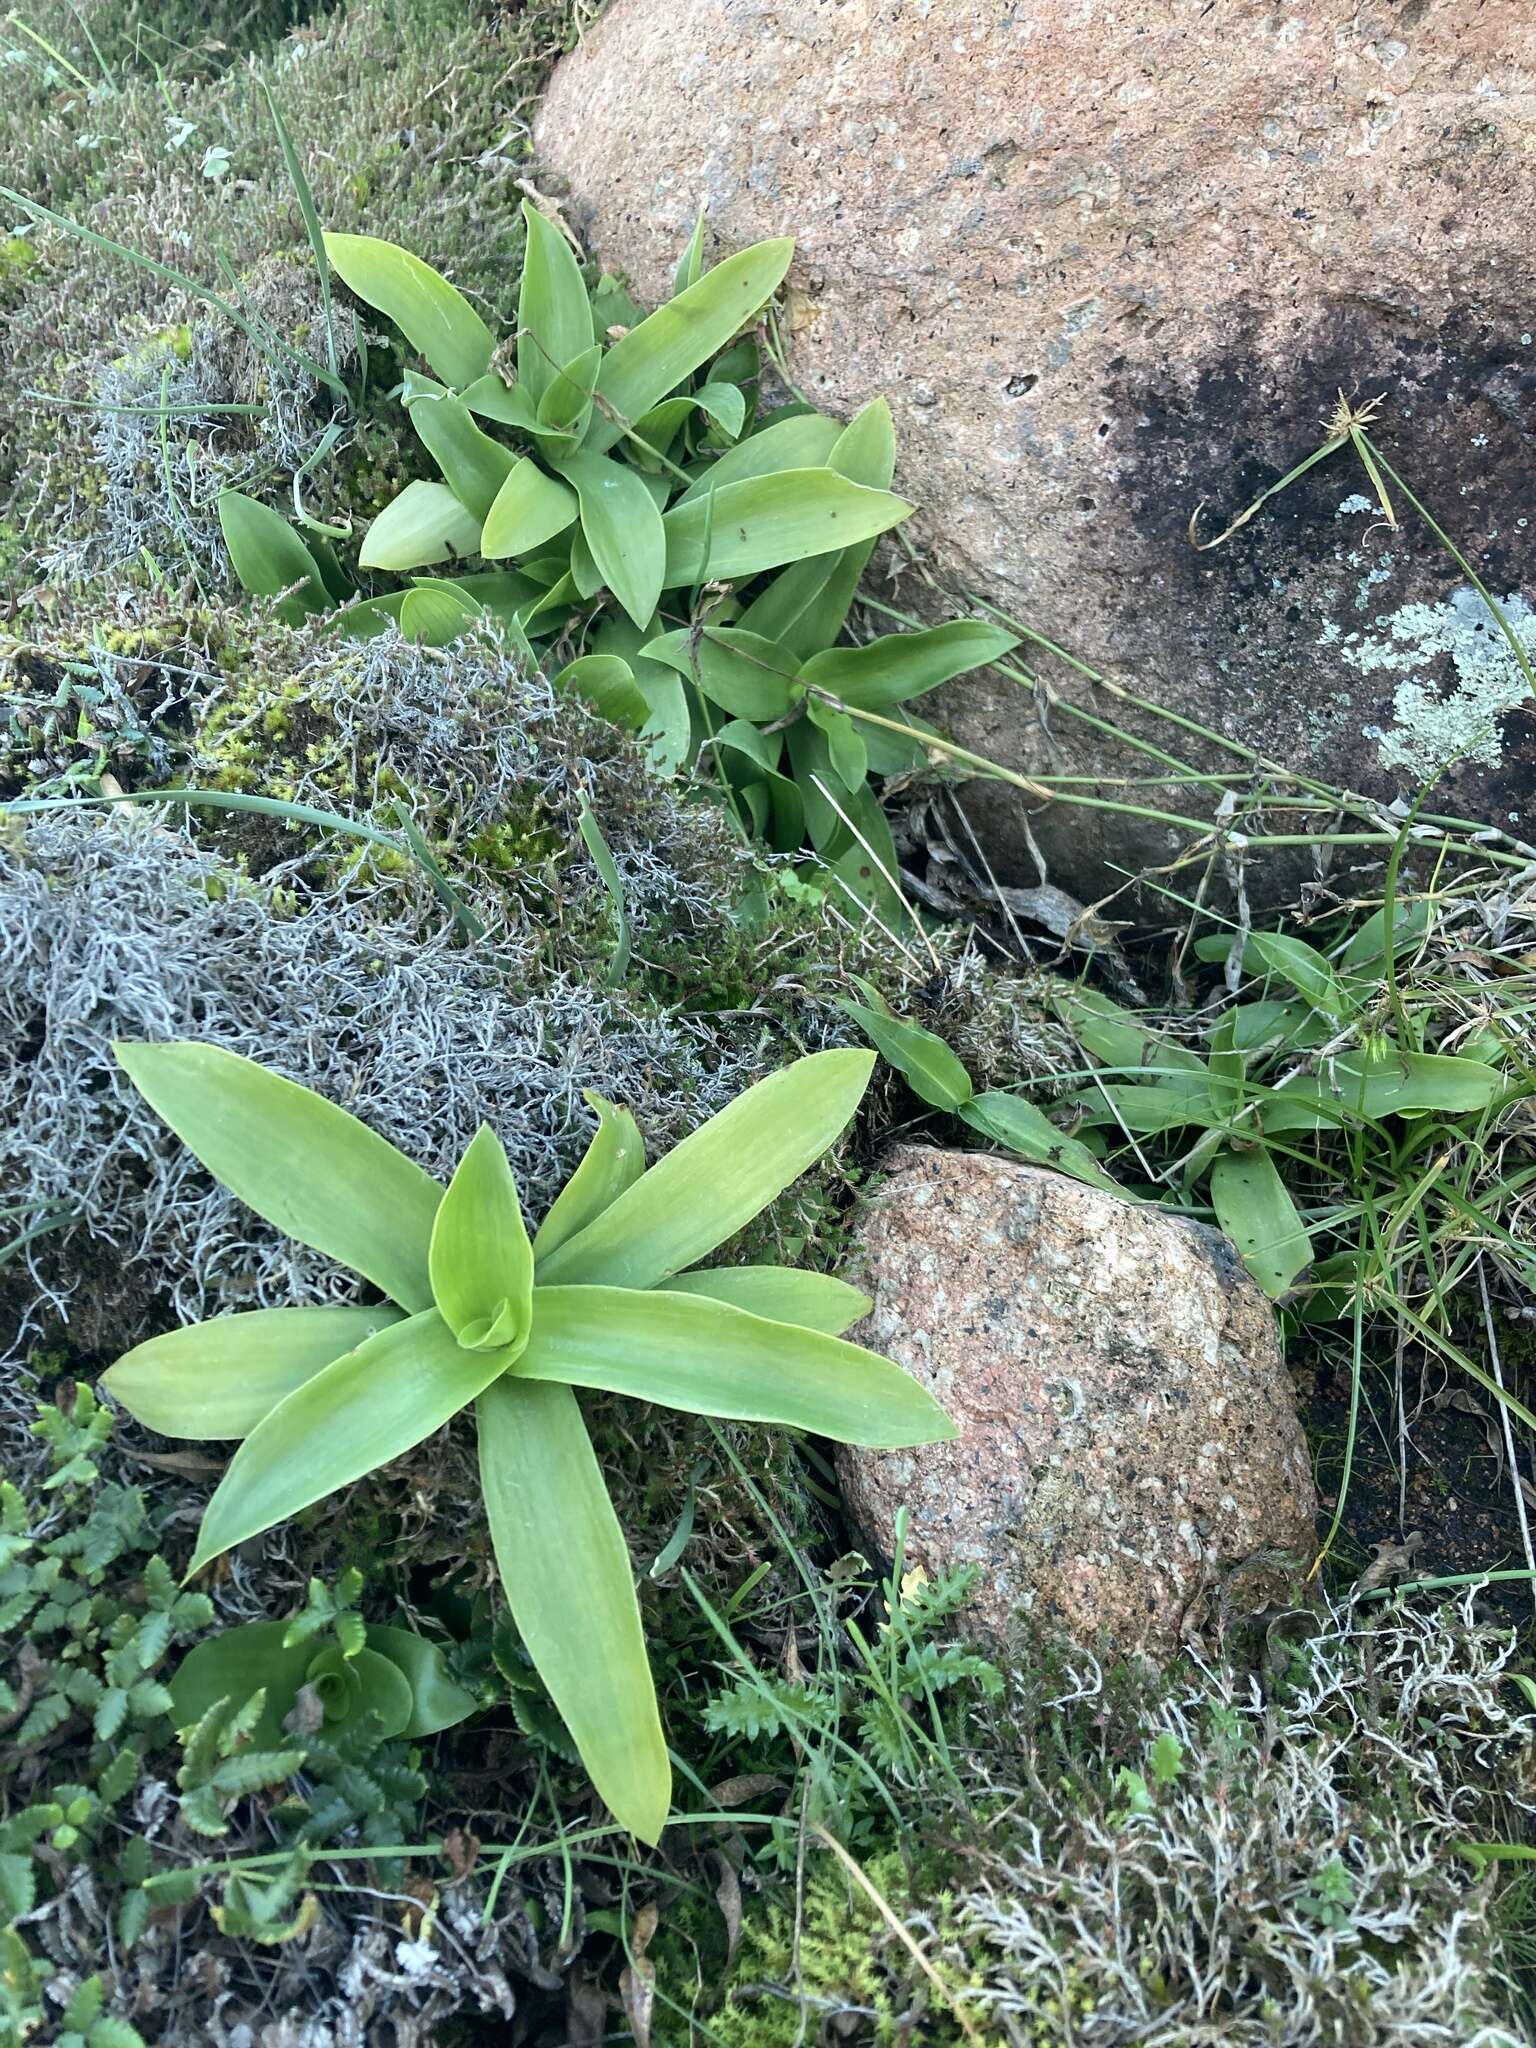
<point x="1108" y="261"/>
<point x="1130" y="1465"/>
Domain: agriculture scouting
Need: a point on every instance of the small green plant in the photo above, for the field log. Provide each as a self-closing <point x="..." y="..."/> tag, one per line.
<point x="331" y="1665"/>
<point x="478" y="1314"/>
<point x="647" y="471"/>
<point x="89" y="1614"/>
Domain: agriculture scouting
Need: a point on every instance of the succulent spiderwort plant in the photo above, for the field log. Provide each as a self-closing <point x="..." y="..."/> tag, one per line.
<point x="608" y="1294"/>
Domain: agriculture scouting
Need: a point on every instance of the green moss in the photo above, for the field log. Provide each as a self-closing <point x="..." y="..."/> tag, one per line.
<point x="846" y="1971"/>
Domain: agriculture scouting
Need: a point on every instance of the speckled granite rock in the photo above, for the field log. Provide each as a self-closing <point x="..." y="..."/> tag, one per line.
<point x="1130" y="1453"/>
<point x="1108" y="261"/>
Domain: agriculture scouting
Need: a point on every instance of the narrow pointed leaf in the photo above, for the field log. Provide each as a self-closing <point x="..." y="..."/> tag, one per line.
<point x="623" y="529"/>
<point x="425" y="525"/>
<point x="566" y="1573"/>
<point x="931" y="1068"/>
<point x="804" y="441"/>
<point x="653" y="359"/>
<point x="481" y="1260"/>
<point x="904" y="665"/>
<point x="745" y="527"/>
<point x="784" y="1294"/>
<point x="216" y="1380"/>
<point x="1009" y="1120"/>
<point x="707" y="1187"/>
<point x="364" y="1411"/>
<point x="613" y="1161"/>
<point x="747" y="676"/>
<point x="1380" y="1080"/>
<point x="474" y="466"/>
<point x="301" y="1162"/>
<point x="433" y="315"/>
<point x="690" y="265"/>
<point x="554" y="314"/>
<point x="684" y="1350"/>
<point x="269" y="556"/>
<point x="530" y="508"/>
<point x="1255" y="1210"/>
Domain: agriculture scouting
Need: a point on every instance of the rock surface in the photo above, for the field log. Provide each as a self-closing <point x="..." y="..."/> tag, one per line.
<point x="1130" y="1457"/>
<point x="1111" y="261"/>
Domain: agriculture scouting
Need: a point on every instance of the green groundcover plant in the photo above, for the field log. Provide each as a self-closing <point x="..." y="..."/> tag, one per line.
<point x="608" y="1294"/>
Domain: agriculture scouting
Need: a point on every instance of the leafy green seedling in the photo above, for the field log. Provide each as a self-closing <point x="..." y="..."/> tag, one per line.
<point x="608" y="1294"/>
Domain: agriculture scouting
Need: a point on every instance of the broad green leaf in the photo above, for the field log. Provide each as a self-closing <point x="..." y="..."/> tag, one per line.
<point x="866" y="867"/>
<point x="930" y="1067"/>
<point x="1254" y="1209"/>
<point x="846" y="752"/>
<point x="811" y="759"/>
<point x="783" y="1294"/>
<point x="658" y="430"/>
<point x="371" y="616"/>
<point x="474" y="466"/>
<point x="904" y="665"/>
<point x="425" y="525"/>
<point x="1265" y="1026"/>
<point x="1292" y="960"/>
<point x="748" y="759"/>
<point x="268" y="556"/>
<point x="585" y="573"/>
<point x="530" y="509"/>
<point x="742" y="528"/>
<point x="554" y="314"/>
<point x="623" y="529"/>
<point x="704" y="1356"/>
<point x="1410" y="921"/>
<point x="725" y="404"/>
<point x="437" y="1699"/>
<point x="481" y="1260"/>
<point x="653" y="359"/>
<point x="613" y="1161"/>
<point x="607" y="683"/>
<point x="435" y="318"/>
<point x="889" y="753"/>
<point x="301" y="1162"/>
<point x="803" y="441"/>
<point x="366" y="1410"/>
<point x="566" y="406"/>
<point x="707" y="1187"/>
<point x="1380" y="1080"/>
<point x="1009" y="1120"/>
<point x="1228" y="1065"/>
<point x="667" y="730"/>
<point x="807" y="605"/>
<point x="567" y="1577"/>
<point x="217" y="1379"/>
<point x="748" y="677"/>
<point x="493" y="398"/>
<point x="1166" y="1105"/>
<point x="1117" y="1038"/>
<point x="502" y="592"/>
<point x="239" y="1662"/>
<point x="435" y="615"/>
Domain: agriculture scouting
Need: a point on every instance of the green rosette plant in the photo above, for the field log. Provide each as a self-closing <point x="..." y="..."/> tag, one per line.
<point x="608" y="1294"/>
<point x="622" y="496"/>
